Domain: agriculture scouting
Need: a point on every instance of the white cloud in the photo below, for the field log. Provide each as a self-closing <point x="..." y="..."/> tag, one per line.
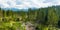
<point x="27" y="3"/>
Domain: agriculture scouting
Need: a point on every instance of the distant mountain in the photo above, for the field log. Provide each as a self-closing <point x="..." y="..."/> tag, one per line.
<point x="16" y="9"/>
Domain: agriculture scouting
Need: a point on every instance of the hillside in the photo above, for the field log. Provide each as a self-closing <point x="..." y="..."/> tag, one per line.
<point x="39" y="19"/>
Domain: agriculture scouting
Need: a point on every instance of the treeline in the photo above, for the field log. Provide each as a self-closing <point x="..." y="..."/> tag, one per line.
<point x="43" y="18"/>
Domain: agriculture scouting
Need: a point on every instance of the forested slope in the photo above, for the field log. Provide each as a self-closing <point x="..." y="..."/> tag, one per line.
<point x="41" y="19"/>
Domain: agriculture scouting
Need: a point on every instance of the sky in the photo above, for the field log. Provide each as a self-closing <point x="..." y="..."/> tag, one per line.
<point x="24" y="4"/>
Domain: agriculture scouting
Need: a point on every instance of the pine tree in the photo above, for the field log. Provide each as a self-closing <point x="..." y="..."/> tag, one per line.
<point x="52" y="16"/>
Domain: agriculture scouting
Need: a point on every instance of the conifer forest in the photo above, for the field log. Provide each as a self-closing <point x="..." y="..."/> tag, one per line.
<point x="33" y="19"/>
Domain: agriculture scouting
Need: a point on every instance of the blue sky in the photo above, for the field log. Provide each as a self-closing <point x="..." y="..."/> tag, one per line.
<point x="20" y="4"/>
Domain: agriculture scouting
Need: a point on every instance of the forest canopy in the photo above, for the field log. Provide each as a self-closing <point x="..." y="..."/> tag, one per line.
<point x="42" y="18"/>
